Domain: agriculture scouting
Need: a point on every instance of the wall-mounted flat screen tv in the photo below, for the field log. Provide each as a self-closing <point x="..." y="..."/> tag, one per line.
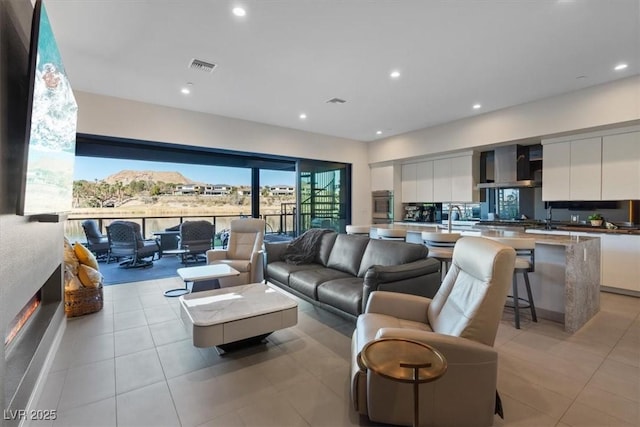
<point x="47" y="179"/>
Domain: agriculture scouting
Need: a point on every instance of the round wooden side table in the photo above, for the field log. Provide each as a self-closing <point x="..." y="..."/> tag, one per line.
<point x="405" y="361"/>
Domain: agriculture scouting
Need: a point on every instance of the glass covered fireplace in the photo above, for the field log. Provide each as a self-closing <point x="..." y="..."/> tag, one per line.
<point x="28" y="339"/>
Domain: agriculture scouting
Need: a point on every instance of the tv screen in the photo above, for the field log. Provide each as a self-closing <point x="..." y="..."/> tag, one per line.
<point x="51" y="126"/>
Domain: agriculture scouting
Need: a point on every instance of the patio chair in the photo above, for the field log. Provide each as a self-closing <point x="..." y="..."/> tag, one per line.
<point x="96" y="241"/>
<point x="197" y="238"/>
<point x="125" y="241"/>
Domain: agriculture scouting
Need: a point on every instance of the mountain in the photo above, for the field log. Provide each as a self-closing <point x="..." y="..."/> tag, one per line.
<point x="126" y="176"/>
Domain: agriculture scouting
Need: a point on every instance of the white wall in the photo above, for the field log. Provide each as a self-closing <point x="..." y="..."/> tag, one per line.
<point x="103" y="115"/>
<point x="603" y="105"/>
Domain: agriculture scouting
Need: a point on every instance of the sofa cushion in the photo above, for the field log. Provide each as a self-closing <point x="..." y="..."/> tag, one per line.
<point x="388" y="252"/>
<point x="326" y="244"/>
<point x="280" y="270"/>
<point x="347" y="252"/>
<point x="345" y="294"/>
<point x="307" y="281"/>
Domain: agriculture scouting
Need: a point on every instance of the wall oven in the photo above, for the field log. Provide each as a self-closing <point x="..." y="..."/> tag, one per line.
<point x="382" y="207"/>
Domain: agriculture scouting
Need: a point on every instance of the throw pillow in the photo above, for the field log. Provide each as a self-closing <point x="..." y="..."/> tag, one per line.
<point x="85" y="256"/>
<point x="72" y="283"/>
<point x="70" y="258"/>
<point x="90" y="277"/>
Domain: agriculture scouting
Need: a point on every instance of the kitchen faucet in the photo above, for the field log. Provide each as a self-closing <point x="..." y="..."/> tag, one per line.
<point x="549" y="216"/>
<point x="451" y="208"/>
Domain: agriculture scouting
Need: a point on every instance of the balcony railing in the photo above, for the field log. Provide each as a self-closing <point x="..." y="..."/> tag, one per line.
<point x="283" y="223"/>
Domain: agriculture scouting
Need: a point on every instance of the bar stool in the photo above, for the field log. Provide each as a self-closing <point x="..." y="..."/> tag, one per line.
<point x="525" y="263"/>
<point x="392" y="234"/>
<point x="440" y="247"/>
<point x="358" y="229"/>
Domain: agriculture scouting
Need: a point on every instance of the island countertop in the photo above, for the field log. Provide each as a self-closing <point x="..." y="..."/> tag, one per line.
<point x="566" y="280"/>
<point x="544" y="239"/>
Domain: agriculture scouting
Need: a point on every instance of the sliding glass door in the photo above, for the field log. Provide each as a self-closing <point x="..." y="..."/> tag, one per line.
<point x="324" y="194"/>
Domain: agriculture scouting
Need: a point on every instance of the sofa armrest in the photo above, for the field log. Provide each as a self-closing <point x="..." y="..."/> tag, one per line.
<point x="216" y="255"/>
<point x="456" y="350"/>
<point x="404" y="306"/>
<point x="275" y="251"/>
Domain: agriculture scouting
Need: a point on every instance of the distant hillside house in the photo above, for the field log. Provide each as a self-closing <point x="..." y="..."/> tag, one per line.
<point x="282" y="190"/>
<point x="217" y="190"/>
<point x="244" y="191"/>
<point x="185" y="189"/>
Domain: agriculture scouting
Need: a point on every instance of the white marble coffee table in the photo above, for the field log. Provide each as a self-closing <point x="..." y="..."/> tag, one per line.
<point x="237" y="314"/>
<point x="198" y="274"/>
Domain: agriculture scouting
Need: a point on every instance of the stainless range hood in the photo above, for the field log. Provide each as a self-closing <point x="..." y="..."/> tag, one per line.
<point x="511" y="168"/>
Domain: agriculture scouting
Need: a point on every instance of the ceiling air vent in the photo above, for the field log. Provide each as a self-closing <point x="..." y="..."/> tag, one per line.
<point x="336" y="101"/>
<point x="199" y="65"/>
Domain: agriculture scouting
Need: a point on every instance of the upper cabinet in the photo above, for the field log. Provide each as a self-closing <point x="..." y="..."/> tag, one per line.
<point x="586" y="169"/>
<point x="409" y="184"/>
<point x="452" y="179"/>
<point x="621" y="166"/>
<point x="424" y="181"/>
<point x="600" y="167"/>
<point x="382" y="178"/>
<point x="556" y="162"/>
<point x="417" y="182"/>
<point x="465" y="175"/>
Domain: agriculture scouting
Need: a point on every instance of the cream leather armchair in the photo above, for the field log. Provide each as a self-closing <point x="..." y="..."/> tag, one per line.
<point x="461" y="321"/>
<point x="244" y="252"/>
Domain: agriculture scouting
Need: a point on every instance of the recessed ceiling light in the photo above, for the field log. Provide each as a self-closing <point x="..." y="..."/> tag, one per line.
<point x="620" y="67"/>
<point x="477" y="106"/>
<point x="187" y="89"/>
<point x="394" y="74"/>
<point x="379" y="132"/>
<point x="303" y="116"/>
<point x="238" y="11"/>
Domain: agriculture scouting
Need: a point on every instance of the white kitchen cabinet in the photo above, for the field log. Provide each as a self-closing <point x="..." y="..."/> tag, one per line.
<point x="621" y="166"/>
<point x="571" y="170"/>
<point x="455" y="179"/>
<point x="556" y="173"/>
<point x="464" y="179"/>
<point x="442" y="180"/>
<point x="620" y="261"/>
<point x="382" y="178"/>
<point x="424" y="182"/>
<point x="409" y="183"/>
<point x="619" y="258"/>
<point x="586" y="169"/>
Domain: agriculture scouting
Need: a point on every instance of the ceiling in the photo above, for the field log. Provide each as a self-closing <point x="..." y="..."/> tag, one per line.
<point x="287" y="57"/>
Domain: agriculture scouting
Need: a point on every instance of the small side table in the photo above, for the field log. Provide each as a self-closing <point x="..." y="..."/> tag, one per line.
<point x="200" y="273"/>
<point x="405" y="361"/>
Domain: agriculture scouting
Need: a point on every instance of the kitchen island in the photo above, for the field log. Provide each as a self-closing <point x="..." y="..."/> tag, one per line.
<point x="566" y="280"/>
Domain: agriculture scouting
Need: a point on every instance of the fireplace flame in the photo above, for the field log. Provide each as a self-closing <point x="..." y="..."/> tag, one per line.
<point x="21" y="318"/>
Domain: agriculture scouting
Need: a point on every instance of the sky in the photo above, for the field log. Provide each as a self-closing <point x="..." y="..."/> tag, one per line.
<point x="92" y="168"/>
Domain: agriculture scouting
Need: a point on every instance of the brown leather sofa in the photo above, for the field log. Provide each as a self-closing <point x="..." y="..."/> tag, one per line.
<point x="461" y="321"/>
<point x="347" y="268"/>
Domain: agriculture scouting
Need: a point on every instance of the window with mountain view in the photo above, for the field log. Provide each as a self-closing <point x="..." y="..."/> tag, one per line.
<point x="165" y="193"/>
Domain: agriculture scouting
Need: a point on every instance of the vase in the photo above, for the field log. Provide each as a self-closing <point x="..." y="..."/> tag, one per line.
<point x="596" y="222"/>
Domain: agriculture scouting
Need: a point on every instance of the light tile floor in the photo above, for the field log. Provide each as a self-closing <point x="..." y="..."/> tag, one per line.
<point x="132" y="364"/>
